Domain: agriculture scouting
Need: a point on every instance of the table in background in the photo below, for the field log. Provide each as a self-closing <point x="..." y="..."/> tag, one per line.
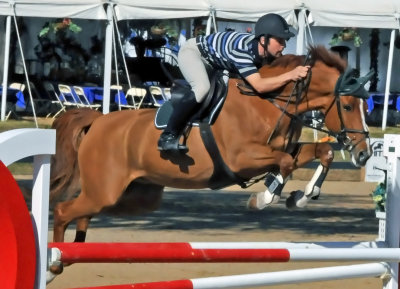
<point x="19" y="99"/>
<point x="378" y="99"/>
<point x="95" y="94"/>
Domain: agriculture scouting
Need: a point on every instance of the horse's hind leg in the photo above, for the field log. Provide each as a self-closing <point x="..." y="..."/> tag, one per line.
<point x="82" y="225"/>
<point x="307" y="153"/>
<point x="78" y="208"/>
<point x="142" y="197"/>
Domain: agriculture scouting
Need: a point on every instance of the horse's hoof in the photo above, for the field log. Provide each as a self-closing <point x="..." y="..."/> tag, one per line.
<point x="259" y="201"/>
<point x="297" y="199"/>
<point x="252" y="203"/>
<point x="56" y="267"/>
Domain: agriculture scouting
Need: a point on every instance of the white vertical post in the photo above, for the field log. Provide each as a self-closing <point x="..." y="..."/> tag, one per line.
<point x="388" y="79"/>
<point x="392" y="153"/>
<point x="107" y="60"/>
<point x="301" y="32"/>
<point x="208" y="26"/>
<point x="40" y="143"/>
<point x="40" y="212"/>
<point x="5" y="68"/>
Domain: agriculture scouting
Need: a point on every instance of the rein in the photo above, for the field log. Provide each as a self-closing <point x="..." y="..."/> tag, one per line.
<point x="299" y="87"/>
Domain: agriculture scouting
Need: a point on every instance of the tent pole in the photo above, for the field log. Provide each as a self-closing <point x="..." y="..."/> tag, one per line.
<point x="107" y="60"/>
<point x="388" y="79"/>
<point x="208" y="27"/>
<point x="5" y="69"/>
<point x="301" y="32"/>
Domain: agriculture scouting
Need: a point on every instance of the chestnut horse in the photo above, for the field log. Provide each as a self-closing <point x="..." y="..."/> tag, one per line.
<point x="103" y="156"/>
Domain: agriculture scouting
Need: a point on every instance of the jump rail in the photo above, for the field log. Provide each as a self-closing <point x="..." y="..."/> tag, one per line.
<point x="187" y="253"/>
<point x="264" y="279"/>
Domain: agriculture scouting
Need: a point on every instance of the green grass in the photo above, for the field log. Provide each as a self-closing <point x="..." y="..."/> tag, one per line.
<point x="23" y="123"/>
<point x="23" y="167"/>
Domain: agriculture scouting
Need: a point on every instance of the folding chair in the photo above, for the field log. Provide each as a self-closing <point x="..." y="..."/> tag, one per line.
<point x="84" y="99"/>
<point x="134" y="97"/>
<point x="116" y="87"/>
<point x="167" y="93"/>
<point x="157" y="95"/>
<point x="20" y="87"/>
<point x="67" y="97"/>
<point x="53" y="96"/>
<point x="42" y="105"/>
<point x="119" y="89"/>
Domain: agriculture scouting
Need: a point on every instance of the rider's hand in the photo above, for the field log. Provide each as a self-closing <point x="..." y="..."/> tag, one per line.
<point x="299" y="72"/>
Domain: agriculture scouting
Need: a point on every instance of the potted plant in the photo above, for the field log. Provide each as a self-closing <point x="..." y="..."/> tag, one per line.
<point x="60" y="25"/>
<point x="346" y="34"/>
<point x="379" y="198"/>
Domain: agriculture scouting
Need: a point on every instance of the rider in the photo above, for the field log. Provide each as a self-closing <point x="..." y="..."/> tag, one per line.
<point x="241" y="53"/>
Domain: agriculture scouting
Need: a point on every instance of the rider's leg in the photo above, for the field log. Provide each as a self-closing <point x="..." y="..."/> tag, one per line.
<point x="183" y="109"/>
<point x="194" y="71"/>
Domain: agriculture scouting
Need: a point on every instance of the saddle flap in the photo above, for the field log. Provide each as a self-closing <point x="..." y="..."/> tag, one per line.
<point x="163" y="114"/>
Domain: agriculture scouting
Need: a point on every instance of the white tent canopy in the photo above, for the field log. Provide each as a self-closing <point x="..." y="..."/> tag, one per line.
<point x="355" y="13"/>
<point x="89" y="9"/>
<point x="339" y="13"/>
<point x="228" y="9"/>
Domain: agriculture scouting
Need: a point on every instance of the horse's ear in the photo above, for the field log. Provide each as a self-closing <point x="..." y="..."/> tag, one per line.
<point x="347" y="84"/>
<point x="363" y="80"/>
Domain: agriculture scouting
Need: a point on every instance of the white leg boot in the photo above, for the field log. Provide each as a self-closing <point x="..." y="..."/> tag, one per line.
<point x="259" y="201"/>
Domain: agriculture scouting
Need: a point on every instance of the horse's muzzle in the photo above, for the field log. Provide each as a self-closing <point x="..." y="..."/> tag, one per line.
<point x="362" y="157"/>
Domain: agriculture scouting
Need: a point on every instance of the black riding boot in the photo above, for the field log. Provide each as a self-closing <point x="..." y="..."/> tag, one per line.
<point x="183" y="110"/>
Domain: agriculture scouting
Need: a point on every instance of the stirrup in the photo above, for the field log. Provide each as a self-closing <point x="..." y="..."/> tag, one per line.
<point x="170" y="143"/>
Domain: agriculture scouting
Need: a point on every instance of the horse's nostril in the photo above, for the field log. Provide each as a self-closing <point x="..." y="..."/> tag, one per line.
<point x="363" y="156"/>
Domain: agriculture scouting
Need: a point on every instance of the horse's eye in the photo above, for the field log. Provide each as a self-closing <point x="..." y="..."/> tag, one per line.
<point x="347" y="107"/>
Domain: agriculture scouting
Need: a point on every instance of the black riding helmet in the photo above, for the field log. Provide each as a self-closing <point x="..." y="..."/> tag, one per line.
<point x="272" y="25"/>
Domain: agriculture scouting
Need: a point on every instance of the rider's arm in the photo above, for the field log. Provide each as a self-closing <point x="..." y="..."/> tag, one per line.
<point x="267" y="84"/>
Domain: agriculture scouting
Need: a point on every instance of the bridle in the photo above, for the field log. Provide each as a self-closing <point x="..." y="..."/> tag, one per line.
<point x="350" y="85"/>
<point x="345" y="85"/>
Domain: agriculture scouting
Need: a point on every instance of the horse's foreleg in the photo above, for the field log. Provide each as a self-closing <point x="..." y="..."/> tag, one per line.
<point x="307" y="153"/>
<point x="274" y="182"/>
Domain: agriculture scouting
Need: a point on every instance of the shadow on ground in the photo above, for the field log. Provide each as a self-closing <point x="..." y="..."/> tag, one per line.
<point x="188" y="210"/>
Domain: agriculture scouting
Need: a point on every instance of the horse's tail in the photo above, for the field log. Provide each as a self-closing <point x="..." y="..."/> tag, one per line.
<point x="70" y="128"/>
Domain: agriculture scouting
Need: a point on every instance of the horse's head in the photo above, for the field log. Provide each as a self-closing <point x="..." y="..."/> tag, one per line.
<point x="342" y="100"/>
<point x="333" y="90"/>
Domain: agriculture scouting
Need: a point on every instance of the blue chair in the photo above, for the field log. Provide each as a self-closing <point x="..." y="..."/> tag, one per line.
<point x="67" y="97"/>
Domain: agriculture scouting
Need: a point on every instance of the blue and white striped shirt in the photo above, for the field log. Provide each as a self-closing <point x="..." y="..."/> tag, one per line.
<point x="233" y="51"/>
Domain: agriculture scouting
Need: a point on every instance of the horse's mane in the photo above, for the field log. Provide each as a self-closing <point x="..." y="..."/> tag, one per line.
<point x="316" y="53"/>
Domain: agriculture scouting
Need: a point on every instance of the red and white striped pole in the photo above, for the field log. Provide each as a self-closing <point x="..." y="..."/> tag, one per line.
<point x="263" y="279"/>
<point x="186" y="253"/>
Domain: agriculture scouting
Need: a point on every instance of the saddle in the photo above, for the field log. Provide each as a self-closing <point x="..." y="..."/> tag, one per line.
<point x="209" y="109"/>
<point x="204" y="118"/>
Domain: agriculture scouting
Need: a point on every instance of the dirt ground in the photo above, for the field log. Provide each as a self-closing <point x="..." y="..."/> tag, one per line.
<point x="344" y="212"/>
